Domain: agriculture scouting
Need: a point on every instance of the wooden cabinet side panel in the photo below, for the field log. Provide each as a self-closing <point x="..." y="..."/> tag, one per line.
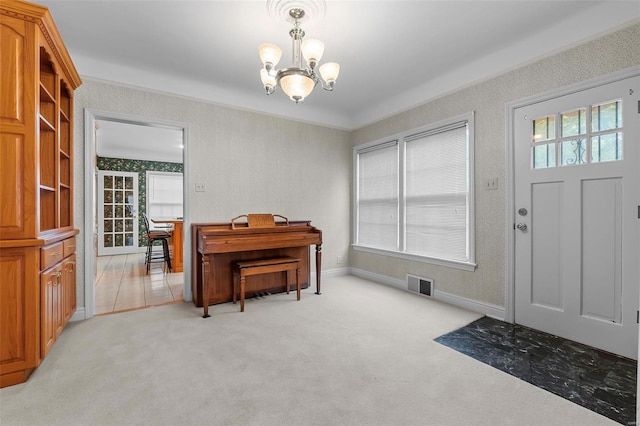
<point x="12" y="46"/>
<point x="17" y="129"/>
<point x="19" y="309"/>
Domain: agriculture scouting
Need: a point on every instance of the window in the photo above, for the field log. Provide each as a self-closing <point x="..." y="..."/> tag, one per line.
<point x="586" y="135"/>
<point x="414" y="197"/>
<point x="164" y="195"/>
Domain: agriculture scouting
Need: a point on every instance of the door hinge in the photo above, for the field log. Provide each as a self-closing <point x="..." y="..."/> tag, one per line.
<point x="637" y="317"/>
<point x="638" y="212"/>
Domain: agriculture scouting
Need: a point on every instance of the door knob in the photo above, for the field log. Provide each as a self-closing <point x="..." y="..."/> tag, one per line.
<point x="522" y="226"/>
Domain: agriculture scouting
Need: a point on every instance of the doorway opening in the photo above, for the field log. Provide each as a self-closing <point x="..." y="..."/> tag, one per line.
<point x="120" y="150"/>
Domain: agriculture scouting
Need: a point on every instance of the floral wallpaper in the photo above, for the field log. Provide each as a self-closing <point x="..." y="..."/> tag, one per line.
<point x="141" y="167"/>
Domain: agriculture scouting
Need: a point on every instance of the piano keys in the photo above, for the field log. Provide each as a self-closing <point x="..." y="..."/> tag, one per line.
<point x="215" y="246"/>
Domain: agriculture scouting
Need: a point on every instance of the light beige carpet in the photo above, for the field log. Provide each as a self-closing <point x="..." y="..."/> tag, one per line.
<point x="359" y="354"/>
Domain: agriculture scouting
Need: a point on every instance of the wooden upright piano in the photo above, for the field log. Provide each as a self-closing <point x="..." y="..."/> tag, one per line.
<point x="217" y="245"/>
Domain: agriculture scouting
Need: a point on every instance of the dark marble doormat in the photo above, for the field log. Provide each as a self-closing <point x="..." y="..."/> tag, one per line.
<point x="597" y="380"/>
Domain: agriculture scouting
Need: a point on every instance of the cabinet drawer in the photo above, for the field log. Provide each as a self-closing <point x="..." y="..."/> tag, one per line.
<point x="69" y="246"/>
<point x="50" y="255"/>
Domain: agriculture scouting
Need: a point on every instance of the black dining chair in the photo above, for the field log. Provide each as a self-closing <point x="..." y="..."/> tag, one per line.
<point x="152" y="237"/>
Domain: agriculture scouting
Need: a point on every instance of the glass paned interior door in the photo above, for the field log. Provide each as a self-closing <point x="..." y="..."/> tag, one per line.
<point x="117" y="212"/>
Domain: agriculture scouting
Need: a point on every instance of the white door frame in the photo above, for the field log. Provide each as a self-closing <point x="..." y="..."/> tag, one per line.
<point x="90" y="194"/>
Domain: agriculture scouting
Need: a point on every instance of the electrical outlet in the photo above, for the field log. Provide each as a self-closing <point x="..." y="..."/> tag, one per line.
<point x="339" y="260"/>
<point x="491" y="183"/>
<point x="200" y="187"/>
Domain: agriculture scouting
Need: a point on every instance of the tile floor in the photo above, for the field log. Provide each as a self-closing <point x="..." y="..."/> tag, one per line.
<point x="597" y="380"/>
<point x="122" y="284"/>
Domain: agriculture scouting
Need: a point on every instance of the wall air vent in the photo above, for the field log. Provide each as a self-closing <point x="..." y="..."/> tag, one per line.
<point x="420" y="285"/>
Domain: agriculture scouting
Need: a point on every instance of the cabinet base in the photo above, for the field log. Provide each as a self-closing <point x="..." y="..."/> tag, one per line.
<point x="15" y="378"/>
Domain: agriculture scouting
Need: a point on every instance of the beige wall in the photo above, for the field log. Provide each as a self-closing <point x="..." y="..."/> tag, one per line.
<point x="486" y="285"/>
<point x="256" y="163"/>
<point x="250" y="163"/>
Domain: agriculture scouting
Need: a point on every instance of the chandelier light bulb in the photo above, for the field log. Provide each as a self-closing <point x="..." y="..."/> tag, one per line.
<point x="329" y="72"/>
<point x="312" y="50"/>
<point x="268" y="80"/>
<point x="297" y="86"/>
<point x="270" y="54"/>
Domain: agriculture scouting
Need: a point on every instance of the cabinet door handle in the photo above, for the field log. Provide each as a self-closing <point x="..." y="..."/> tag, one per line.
<point x="56" y="253"/>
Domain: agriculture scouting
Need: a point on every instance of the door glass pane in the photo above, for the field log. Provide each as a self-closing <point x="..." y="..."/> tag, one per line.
<point x="544" y="128"/>
<point x="544" y="156"/>
<point x="108" y="181"/>
<point x="573" y="152"/>
<point x="574" y="122"/>
<point x="108" y="240"/>
<point x="108" y="211"/>
<point x="128" y="182"/>
<point x="606" y="147"/>
<point x="606" y="116"/>
<point x="108" y="225"/>
<point x="119" y="184"/>
<point x="119" y="197"/>
<point x="108" y="196"/>
<point x="119" y="241"/>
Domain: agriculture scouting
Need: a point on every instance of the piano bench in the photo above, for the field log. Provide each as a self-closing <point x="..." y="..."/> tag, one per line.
<point x="246" y="268"/>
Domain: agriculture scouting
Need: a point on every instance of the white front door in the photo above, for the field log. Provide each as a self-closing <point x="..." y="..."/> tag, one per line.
<point x="117" y="212"/>
<point x="577" y="192"/>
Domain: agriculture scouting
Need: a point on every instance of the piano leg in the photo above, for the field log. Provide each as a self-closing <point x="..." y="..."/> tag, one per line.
<point x="205" y="286"/>
<point x="318" y="267"/>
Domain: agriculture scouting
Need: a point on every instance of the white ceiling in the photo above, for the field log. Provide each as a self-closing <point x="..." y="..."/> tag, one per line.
<point x="393" y="54"/>
<point x="138" y="142"/>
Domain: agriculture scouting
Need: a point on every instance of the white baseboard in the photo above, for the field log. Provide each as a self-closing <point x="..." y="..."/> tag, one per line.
<point x="382" y="279"/>
<point x="78" y="315"/>
<point x="336" y="272"/>
<point x="487" y="309"/>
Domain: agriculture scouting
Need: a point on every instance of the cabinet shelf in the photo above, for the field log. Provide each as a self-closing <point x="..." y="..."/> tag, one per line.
<point x="45" y="95"/>
<point x="45" y="125"/>
<point x="63" y="116"/>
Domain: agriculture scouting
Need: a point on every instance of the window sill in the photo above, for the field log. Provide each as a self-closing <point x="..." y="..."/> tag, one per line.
<point x="466" y="266"/>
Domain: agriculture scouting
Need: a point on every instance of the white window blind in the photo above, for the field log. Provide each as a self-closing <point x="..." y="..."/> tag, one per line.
<point x="164" y="195"/>
<point x="414" y="195"/>
<point x="436" y="194"/>
<point x="378" y="196"/>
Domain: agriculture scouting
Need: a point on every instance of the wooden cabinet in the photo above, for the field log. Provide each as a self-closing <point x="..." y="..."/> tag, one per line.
<point x="37" y="237"/>
<point x="57" y="300"/>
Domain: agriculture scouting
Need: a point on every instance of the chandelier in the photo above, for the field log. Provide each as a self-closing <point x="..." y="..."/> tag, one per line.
<point x="296" y="82"/>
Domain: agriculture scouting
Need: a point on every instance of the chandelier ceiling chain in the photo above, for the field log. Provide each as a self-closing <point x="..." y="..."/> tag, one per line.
<point x="297" y="82"/>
